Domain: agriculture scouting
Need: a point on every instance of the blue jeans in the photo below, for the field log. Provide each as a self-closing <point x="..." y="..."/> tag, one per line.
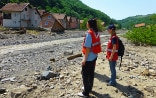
<point x="112" y="65"/>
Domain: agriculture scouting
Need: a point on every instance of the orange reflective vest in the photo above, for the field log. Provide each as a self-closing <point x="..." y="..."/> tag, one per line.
<point x="109" y="49"/>
<point x="96" y="44"/>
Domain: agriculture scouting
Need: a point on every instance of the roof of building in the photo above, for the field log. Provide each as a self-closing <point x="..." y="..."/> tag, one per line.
<point x="14" y="7"/>
<point x="59" y="16"/>
<point x="140" y="25"/>
<point x="42" y="12"/>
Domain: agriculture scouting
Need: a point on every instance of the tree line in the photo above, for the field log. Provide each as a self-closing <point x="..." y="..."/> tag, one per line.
<point x="77" y="9"/>
<point x="128" y="23"/>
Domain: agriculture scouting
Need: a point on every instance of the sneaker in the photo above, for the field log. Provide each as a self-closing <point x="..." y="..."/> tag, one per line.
<point x="82" y="88"/>
<point x="81" y="95"/>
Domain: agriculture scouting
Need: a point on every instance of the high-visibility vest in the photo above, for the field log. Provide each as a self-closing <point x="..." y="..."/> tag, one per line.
<point x="96" y="44"/>
<point x="110" y="47"/>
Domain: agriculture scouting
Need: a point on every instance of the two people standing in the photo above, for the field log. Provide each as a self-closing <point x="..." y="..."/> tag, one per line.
<point x="90" y="49"/>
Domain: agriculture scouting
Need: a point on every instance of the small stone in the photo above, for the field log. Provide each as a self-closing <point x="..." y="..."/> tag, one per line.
<point x="2" y="90"/>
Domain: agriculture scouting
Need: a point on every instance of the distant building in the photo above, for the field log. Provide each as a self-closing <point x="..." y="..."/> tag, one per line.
<point x="75" y="23"/>
<point x="41" y="12"/>
<point x="16" y="15"/>
<point x="69" y="21"/>
<point x="140" y="25"/>
<point x="62" y="18"/>
<point x="49" y="22"/>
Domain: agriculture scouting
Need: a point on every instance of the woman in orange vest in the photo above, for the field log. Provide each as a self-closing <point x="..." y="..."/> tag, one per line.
<point x="112" y="54"/>
<point x="90" y="49"/>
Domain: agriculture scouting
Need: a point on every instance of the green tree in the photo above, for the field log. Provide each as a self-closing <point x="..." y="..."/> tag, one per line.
<point x="3" y="2"/>
<point x="153" y="17"/>
<point x="83" y="25"/>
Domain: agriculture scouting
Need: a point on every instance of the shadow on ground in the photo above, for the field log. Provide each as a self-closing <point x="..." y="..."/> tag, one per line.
<point x="127" y="91"/>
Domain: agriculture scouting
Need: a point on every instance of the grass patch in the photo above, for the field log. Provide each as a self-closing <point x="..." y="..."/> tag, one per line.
<point x="33" y="32"/>
<point x="2" y="28"/>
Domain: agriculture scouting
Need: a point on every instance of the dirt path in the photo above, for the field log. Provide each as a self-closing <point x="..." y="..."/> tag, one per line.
<point x="10" y="49"/>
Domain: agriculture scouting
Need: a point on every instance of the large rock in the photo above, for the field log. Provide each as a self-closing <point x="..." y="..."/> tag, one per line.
<point x="19" y="92"/>
<point x="46" y="75"/>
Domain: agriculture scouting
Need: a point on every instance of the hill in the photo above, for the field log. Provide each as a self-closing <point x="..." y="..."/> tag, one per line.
<point x="131" y="21"/>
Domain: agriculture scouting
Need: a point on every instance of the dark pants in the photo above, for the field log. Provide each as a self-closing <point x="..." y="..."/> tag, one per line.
<point x="88" y="76"/>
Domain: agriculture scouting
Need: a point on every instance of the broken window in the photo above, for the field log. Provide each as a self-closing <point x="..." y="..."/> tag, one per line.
<point x="7" y="15"/>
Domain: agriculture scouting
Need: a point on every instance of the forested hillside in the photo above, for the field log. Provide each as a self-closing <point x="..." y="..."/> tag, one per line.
<point x="70" y="7"/>
<point x="131" y="21"/>
<point x="77" y="9"/>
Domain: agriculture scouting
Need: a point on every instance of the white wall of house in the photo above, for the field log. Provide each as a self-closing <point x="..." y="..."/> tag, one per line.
<point x="14" y="21"/>
<point x="35" y="18"/>
<point x="27" y="18"/>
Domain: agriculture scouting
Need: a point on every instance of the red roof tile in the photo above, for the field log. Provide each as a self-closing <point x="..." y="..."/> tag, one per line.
<point x="17" y="7"/>
<point x="41" y="12"/>
<point x="59" y="16"/>
<point x="140" y="25"/>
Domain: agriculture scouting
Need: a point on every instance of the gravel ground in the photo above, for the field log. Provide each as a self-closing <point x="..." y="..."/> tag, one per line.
<point x="23" y="57"/>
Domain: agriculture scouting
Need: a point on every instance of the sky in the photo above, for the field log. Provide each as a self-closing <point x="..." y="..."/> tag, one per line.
<point x="121" y="9"/>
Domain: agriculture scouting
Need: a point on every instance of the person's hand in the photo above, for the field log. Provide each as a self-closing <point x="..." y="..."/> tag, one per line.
<point x="83" y="62"/>
<point x="110" y="59"/>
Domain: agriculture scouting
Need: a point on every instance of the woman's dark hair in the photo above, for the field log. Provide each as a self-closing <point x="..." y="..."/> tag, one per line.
<point x="93" y="24"/>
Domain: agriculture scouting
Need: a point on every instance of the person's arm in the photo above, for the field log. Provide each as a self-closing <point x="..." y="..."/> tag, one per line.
<point x="114" y="42"/>
<point x="87" y="44"/>
<point x="113" y="52"/>
<point x="86" y="56"/>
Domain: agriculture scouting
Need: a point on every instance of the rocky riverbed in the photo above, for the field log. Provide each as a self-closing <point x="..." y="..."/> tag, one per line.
<point x="36" y="66"/>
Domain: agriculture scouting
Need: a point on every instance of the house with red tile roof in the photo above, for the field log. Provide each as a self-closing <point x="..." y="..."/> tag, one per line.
<point x="62" y="18"/>
<point x="41" y="12"/>
<point x="69" y="21"/>
<point x="75" y="23"/>
<point x="16" y="15"/>
<point x="49" y="22"/>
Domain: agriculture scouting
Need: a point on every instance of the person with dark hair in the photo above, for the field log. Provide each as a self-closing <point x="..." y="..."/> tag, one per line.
<point x="112" y="54"/>
<point x="90" y="49"/>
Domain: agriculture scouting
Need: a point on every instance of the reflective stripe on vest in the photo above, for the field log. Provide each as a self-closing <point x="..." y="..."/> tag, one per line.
<point x="95" y="44"/>
<point x="110" y="50"/>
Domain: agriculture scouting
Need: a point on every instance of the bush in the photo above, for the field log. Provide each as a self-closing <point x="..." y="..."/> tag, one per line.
<point x="2" y="28"/>
<point x="143" y="35"/>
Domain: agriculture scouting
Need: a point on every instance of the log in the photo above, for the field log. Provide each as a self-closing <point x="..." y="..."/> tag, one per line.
<point x="74" y="56"/>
